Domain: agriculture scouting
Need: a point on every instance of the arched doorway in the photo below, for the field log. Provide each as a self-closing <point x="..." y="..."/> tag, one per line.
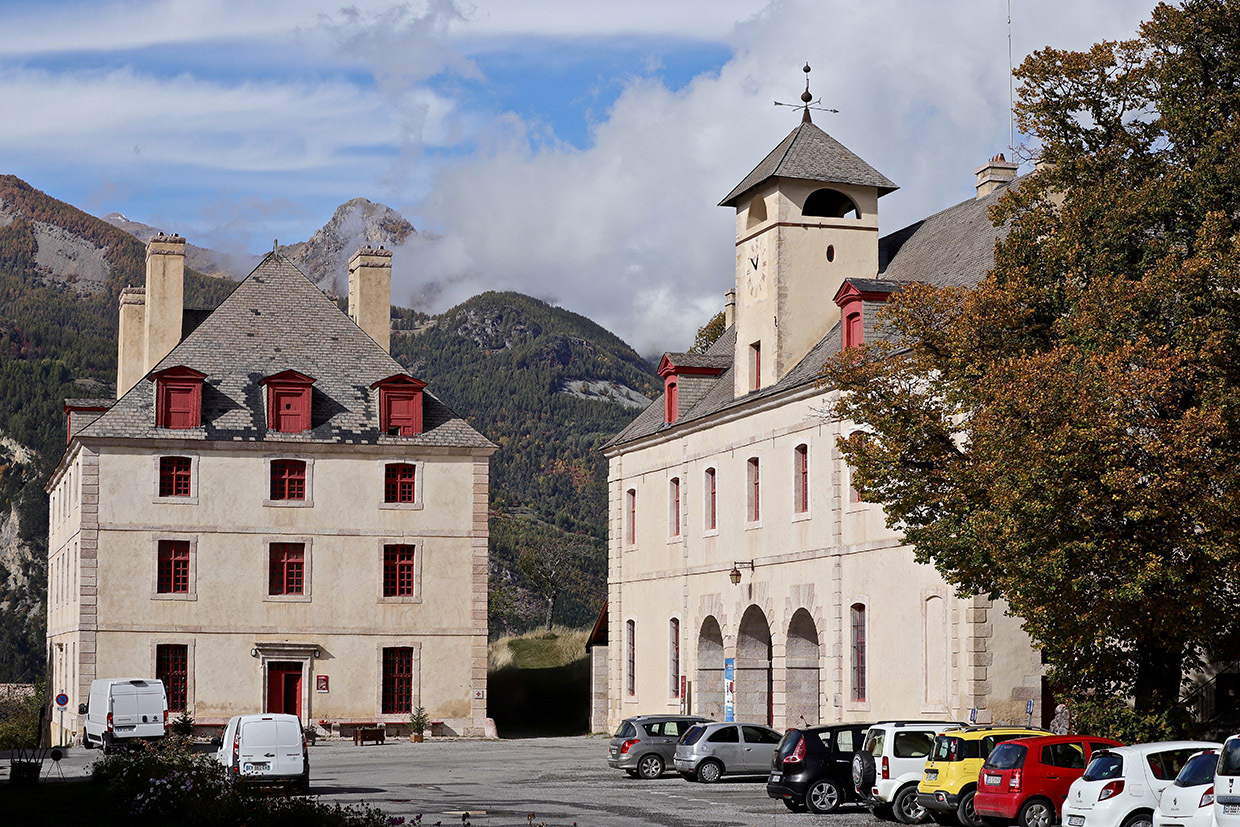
<point x="802" y="671"/>
<point x="708" y="686"/>
<point x="753" y="668"/>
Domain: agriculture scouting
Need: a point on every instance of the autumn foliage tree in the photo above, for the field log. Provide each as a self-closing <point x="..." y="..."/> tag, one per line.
<point x="1066" y="435"/>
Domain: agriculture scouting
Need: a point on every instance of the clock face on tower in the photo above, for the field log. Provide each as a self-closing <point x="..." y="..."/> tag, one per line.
<point x="754" y="266"/>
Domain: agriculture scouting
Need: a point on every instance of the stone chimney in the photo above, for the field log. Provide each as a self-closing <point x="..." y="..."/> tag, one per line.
<point x="370" y="293"/>
<point x="729" y="308"/>
<point x="131" y="340"/>
<point x="165" y="297"/>
<point x="996" y="173"/>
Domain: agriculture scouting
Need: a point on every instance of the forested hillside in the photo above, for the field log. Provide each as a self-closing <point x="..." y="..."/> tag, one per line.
<point x="54" y="343"/>
<point x="515" y="366"/>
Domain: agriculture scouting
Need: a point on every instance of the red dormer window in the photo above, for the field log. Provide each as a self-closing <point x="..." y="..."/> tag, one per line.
<point x="178" y="397"/>
<point x="673" y="367"/>
<point x="670" y="400"/>
<point x="400" y="405"/>
<point x="851" y="298"/>
<point x="288" y="402"/>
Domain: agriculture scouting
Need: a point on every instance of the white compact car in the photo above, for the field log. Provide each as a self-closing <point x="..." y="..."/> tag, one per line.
<point x="886" y="769"/>
<point x="1189" y="801"/>
<point x="1227" y="784"/>
<point x="266" y="749"/>
<point x="1121" y="786"/>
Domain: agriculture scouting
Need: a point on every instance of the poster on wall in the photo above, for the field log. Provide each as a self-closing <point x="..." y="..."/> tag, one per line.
<point x="320" y="683"/>
<point x="729" y="689"/>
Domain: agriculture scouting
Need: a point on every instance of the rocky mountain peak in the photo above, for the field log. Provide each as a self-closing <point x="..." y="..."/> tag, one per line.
<point x="356" y="223"/>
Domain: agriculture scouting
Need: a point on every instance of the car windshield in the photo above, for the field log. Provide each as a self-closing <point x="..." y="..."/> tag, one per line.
<point x="1198" y="771"/>
<point x="1229" y="758"/>
<point x="626" y="730"/>
<point x="692" y="736"/>
<point x="1103" y="766"/>
<point x="1006" y="757"/>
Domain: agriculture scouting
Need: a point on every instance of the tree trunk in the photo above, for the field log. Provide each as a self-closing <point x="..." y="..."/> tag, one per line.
<point x="551" y="596"/>
<point x="1160" y="673"/>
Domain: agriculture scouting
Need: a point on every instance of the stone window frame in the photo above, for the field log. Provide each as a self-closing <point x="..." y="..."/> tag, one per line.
<point x="416" y="679"/>
<point x="307" y="574"/>
<point x="192" y="499"/>
<point x="419" y="553"/>
<point x="189" y="643"/>
<point x="862" y="704"/>
<point x="802" y="478"/>
<point x="419" y="478"/>
<point x="308" y="502"/>
<point x="191" y="592"/>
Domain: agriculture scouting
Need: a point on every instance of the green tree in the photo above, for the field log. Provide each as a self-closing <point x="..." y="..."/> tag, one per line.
<point x="1066" y="435"/>
<point x="708" y="333"/>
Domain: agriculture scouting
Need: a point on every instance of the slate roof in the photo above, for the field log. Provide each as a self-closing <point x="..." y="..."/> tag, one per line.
<point x="952" y="248"/>
<point x="810" y="154"/>
<point x="701" y="360"/>
<point x="277" y="320"/>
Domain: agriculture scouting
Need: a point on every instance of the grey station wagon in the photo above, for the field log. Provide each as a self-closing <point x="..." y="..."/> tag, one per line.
<point x="707" y="752"/>
<point x="645" y="744"/>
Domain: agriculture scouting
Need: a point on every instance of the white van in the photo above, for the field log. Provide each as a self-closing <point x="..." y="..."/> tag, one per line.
<point x="124" y="710"/>
<point x="266" y="749"/>
<point x="1227" y="784"/>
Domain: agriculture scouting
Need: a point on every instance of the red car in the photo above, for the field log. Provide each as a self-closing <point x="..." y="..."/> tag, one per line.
<point x="1026" y="780"/>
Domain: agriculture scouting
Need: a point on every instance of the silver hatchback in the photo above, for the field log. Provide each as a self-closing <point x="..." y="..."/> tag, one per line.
<point x="708" y="752"/>
<point x="644" y="744"/>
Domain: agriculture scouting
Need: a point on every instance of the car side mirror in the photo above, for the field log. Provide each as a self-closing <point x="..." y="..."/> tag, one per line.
<point x="81" y="709"/>
<point x="217" y="742"/>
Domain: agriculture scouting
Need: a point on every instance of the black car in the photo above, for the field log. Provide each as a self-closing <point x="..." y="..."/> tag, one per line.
<point x="812" y="767"/>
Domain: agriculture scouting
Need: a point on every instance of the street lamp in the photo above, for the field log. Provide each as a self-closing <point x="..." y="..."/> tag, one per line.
<point x="735" y="574"/>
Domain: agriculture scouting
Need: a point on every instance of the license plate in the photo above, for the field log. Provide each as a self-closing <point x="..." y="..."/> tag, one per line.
<point x="932" y="775"/>
<point x="258" y="766"/>
<point x="613" y="750"/>
<point x="1076" y="821"/>
<point x="992" y="780"/>
<point x="1231" y="809"/>
<point x="775" y="776"/>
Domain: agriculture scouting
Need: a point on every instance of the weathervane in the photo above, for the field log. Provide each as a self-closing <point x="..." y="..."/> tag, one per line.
<point x="808" y="101"/>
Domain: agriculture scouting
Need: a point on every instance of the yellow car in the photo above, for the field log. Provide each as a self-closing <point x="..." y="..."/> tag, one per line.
<point x="949" y="779"/>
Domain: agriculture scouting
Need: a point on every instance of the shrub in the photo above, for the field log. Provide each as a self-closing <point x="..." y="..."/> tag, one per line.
<point x="182" y="724"/>
<point x="19" y="719"/>
<point x="1112" y="717"/>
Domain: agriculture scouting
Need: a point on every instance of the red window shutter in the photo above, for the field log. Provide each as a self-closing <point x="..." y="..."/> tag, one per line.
<point x="399" y="483"/>
<point x="671" y="401"/>
<point x="290" y="409"/>
<point x="178" y="398"/>
<point x="287" y="569"/>
<point x="174" y="476"/>
<point x="400" y="405"/>
<point x="171" y="667"/>
<point x="172" y="575"/>
<point x="398" y="571"/>
<point x="288" y="479"/>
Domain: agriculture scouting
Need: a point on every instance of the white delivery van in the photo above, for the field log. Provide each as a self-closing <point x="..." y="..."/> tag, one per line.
<point x="266" y="749"/>
<point x="123" y="711"/>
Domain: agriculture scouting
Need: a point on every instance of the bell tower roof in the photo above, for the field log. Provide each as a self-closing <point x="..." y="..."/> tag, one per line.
<point x="809" y="154"/>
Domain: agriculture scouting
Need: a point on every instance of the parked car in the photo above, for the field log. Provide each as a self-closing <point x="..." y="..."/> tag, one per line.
<point x="1227" y="784"/>
<point x="124" y="711"/>
<point x="707" y="752"/>
<point x="1120" y="786"/>
<point x="949" y="778"/>
<point x="1027" y="780"/>
<point x="812" y="768"/>
<point x="886" y="769"/>
<point x="644" y="744"/>
<point x="266" y="749"/>
<point x="1189" y="801"/>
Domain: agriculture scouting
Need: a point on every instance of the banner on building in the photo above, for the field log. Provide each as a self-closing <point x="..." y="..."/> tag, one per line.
<point x="729" y="689"/>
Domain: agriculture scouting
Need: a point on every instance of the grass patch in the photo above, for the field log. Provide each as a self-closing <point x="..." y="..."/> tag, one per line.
<point x="538" y="650"/>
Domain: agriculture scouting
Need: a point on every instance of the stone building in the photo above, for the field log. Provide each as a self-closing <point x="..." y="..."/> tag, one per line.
<point x="736" y="541"/>
<point x="273" y="515"/>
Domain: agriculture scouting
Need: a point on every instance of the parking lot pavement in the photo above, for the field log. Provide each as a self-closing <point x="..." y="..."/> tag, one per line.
<point x="561" y="780"/>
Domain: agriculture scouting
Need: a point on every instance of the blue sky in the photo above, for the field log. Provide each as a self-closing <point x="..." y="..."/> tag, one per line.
<point x="573" y="150"/>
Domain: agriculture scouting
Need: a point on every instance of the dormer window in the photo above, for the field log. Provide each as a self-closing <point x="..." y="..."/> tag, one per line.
<point x="670" y="400"/>
<point x="400" y="405"/>
<point x="685" y="379"/>
<point x="178" y="398"/>
<point x="288" y="402"/>
<point x="852" y="298"/>
<point x="854" y="329"/>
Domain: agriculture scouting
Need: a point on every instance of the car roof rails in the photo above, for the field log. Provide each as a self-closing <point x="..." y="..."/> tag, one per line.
<point x="917" y="723"/>
<point x="985" y="727"/>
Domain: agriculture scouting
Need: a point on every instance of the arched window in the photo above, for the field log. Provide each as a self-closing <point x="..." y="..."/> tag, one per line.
<point x="754" y="490"/>
<point x="829" y="203"/>
<point x="857" y="623"/>
<point x="800" y="479"/>
<point x="630" y="516"/>
<point x="708" y="511"/>
<point x="757" y="211"/>
<point x="673" y="507"/>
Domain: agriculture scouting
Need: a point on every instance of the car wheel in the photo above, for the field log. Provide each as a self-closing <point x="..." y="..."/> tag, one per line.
<point x="906" y="808"/>
<point x="965" y="812"/>
<point x="823" y="796"/>
<point x="863" y="771"/>
<point x="708" y="772"/>
<point x="86" y="744"/>
<point x="793" y="805"/>
<point x="1139" y="820"/>
<point x="1036" y="812"/>
<point x="651" y="766"/>
<point x="108" y="747"/>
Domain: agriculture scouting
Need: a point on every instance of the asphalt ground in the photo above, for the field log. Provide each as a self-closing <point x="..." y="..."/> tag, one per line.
<point x="561" y="781"/>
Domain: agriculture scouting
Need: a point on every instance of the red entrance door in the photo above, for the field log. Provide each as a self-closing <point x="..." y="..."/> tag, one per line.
<point x="284" y="687"/>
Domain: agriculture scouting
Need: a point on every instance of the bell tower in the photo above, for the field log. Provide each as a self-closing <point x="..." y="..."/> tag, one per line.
<point x="806" y="219"/>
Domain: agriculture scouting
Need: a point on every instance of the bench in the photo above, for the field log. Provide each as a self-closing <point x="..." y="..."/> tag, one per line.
<point x="362" y="734"/>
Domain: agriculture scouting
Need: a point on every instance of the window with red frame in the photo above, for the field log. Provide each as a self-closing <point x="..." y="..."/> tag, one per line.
<point x="671" y="401"/>
<point x="174" y="476"/>
<point x="754" y="503"/>
<point x="710" y="499"/>
<point x="398" y="483"/>
<point x="630" y="516"/>
<point x="288" y="479"/>
<point x="172" y="667"/>
<point x="397" y="680"/>
<point x="857" y="621"/>
<point x="800" y="479"/>
<point x="287" y="569"/>
<point x="400" y="405"/>
<point x="178" y="398"/>
<point x="673" y="507"/>
<point x="854" y="329"/>
<point x="398" y="572"/>
<point x="173" y="567"/>
<point x="288" y="402"/>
